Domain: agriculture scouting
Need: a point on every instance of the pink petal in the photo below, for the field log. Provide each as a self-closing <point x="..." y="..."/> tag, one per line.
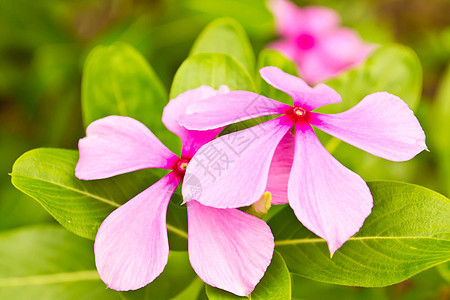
<point x="131" y="247"/>
<point x="320" y="19"/>
<point x="381" y="124"/>
<point x="335" y="52"/>
<point x="232" y="170"/>
<point x="228" y="248"/>
<point x="231" y="108"/>
<point x="305" y="96"/>
<point x="315" y="67"/>
<point x="329" y="199"/>
<point x="176" y="108"/>
<point x="280" y="168"/>
<point x="343" y="48"/>
<point x="115" y="145"/>
<point x="288" y="17"/>
<point x="292" y="20"/>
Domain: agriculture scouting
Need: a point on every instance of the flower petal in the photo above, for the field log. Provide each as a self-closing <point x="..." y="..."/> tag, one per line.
<point x="232" y="170"/>
<point x="305" y="96"/>
<point x="231" y="108"/>
<point x="176" y="108"/>
<point x="343" y="48"/>
<point x="292" y="20"/>
<point x="228" y="248"/>
<point x="320" y="19"/>
<point x="287" y="17"/>
<point x="131" y="247"/>
<point x="381" y="124"/>
<point x="280" y="168"/>
<point x="314" y="67"/>
<point x="115" y="145"/>
<point x="329" y="199"/>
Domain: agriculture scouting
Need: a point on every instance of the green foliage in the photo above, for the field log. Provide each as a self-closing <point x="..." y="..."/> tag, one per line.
<point x="444" y="270"/>
<point x="426" y="285"/>
<point x="212" y="69"/>
<point x="226" y="36"/>
<point x="48" y="175"/>
<point x="49" y="262"/>
<point x="252" y="14"/>
<point x="178" y="270"/>
<point x="407" y="232"/>
<point x="276" y="284"/>
<point x="117" y="80"/>
<point x="41" y="47"/>
<point x="16" y="208"/>
<point x="221" y="55"/>
<point x="52" y="263"/>
<point x="269" y="57"/>
<point x="439" y="122"/>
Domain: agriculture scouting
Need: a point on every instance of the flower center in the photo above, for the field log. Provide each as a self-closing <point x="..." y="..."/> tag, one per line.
<point x="299" y="111"/>
<point x="305" y="41"/>
<point x="298" y="114"/>
<point x="182" y="165"/>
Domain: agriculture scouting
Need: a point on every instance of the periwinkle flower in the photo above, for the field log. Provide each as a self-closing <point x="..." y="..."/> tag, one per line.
<point x="228" y="248"/>
<point x="312" y="37"/>
<point x="329" y="199"/>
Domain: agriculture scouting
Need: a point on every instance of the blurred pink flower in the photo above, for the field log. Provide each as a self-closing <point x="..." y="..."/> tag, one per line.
<point x="228" y="248"/>
<point x="329" y="199"/>
<point x="312" y="38"/>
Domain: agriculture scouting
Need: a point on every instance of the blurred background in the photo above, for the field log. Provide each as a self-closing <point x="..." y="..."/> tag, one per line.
<point x="43" y="45"/>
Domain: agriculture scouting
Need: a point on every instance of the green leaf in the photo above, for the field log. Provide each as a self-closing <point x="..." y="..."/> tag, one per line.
<point x="253" y="15"/>
<point x="192" y="291"/>
<point x="16" y="209"/>
<point x="48" y="262"/>
<point x="276" y="284"/>
<point x="269" y="57"/>
<point x="212" y="69"/>
<point x="406" y="233"/>
<point x="439" y="124"/>
<point x="178" y="270"/>
<point x="395" y="69"/>
<point x="47" y="175"/>
<point x="117" y="80"/>
<point x="226" y="35"/>
<point x="444" y="271"/>
<point x="303" y="288"/>
<point x="52" y="263"/>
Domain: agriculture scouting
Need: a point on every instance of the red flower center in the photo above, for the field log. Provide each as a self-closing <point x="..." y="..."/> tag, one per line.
<point x="305" y="41"/>
<point x="299" y="111"/>
<point x="298" y="114"/>
<point x="181" y="165"/>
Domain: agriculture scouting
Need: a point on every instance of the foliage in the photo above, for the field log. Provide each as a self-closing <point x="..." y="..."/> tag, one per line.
<point x="128" y="62"/>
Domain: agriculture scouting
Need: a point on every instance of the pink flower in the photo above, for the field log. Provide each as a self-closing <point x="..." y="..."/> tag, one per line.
<point x="313" y="39"/>
<point x="326" y="197"/>
<point x="228" y="248"/>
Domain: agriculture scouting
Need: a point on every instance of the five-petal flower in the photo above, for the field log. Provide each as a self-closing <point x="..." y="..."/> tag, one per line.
<point x="327" y="198"/>
<point x="228" y="248"/>
<point x="313" y="39"/>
